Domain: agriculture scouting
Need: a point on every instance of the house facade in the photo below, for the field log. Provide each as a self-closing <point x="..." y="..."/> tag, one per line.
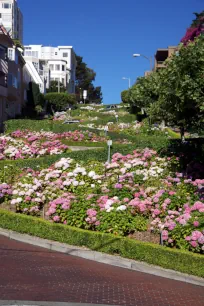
<point x="11" y="18"/>
<point x="60" y="62"/>
<point x="11" y="78"/>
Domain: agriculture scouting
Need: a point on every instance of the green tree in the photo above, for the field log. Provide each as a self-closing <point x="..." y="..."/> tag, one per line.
<point x="95" y="94"/>
<point x="181" y="88"/>
<point x="125" y="96"/>
<point x="85" y="77"/>
<point x="35" y="100"/>
<point x="59" y="101"/>
<point x="54" y="87"/>
<point x="145" y="92"/>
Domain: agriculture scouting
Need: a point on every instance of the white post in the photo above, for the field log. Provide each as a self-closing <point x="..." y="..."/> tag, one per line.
<point x="58" y="86"/>
<point x="106" y="130"/>
<point x="109" y="143"/>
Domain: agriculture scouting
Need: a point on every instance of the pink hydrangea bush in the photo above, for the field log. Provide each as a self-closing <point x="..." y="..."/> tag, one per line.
<point x="132" y="193"/>
<point x="13" y="148"/>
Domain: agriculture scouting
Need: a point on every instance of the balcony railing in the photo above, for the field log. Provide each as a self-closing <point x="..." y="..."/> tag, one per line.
<point x="3" y="66"/>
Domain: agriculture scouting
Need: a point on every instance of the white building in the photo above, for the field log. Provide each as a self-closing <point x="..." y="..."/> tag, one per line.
<point x="60" y="61"/>
<point x="11" y="18"/>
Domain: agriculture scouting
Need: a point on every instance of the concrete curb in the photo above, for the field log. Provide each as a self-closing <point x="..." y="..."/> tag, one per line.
<point x="30" y="303"/>
<point x="103" y="258"/>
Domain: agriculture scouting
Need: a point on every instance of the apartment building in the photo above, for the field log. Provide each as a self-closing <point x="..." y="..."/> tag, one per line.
<point x="11" y="78"/>
<point x="11" y="18"/>
<point x="55" y="63"/>
<point x="162" y="55"/>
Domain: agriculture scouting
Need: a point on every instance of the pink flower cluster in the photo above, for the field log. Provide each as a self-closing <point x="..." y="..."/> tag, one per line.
<point x="64" y="203"/>
<point x="196" y="239"/>
<point x="71" y="136"/>
<point x="5" y="189"/>
<point x="11" y="148"/>
<point x="92" y="217"/>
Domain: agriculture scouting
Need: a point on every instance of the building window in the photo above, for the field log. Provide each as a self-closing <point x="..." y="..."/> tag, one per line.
<point x="6" y="5"/>
<point x="11" y="54"/>
<point x="28" y="53"/>
<point x="62" y="67"/>
<point x="57" y="67"/>
<point x="65" y="54"/>
<point x="51" y="67"/>
<point x="34" y="53"/>
<point x="56" y="53"/>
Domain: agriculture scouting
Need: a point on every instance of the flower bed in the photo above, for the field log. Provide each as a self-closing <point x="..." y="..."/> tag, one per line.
<point x="135" y="192"/>
<point x="11" y="148"/>
<point x="71" y="136"/>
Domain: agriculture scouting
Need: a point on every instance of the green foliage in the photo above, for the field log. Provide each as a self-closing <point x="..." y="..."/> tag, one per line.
<point x="35" y="100"/>
<point x="181" y="90"/>
<point x="182" y="261"/>
<point x="85" y="77"/>
<point x="125" y="96"/>
<point x="199" y="17"/>
<point x="8" y="173"/>
<point x="59" y="101"/>
<point x="145" y="91"/>
<point x="54" y="87"/>
<point x="175" y="94"/>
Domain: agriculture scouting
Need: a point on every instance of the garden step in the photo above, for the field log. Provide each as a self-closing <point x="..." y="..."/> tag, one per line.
<point x="80" y="148"/>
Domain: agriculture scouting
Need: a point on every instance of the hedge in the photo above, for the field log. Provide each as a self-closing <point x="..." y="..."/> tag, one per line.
<point x="44" y="162"/>
<point x="182" y="261"/>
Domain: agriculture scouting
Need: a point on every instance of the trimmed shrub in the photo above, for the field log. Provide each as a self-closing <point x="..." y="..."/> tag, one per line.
<point x="59" y="101"/>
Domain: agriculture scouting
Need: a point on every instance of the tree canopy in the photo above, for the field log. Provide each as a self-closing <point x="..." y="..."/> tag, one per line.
<point x="85" y="77"/>
<point x="59" y="101"/>
<point x="175" y="93"/>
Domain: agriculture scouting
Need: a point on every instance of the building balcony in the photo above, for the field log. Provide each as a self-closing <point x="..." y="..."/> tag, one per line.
<point x="3" y="67"/>
<point x="160" y="64"/>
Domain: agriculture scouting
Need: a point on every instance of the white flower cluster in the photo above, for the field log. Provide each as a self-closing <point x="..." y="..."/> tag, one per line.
<point x="151" y="172"/>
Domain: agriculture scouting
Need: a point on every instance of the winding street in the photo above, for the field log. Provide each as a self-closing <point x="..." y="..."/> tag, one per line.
<point x="29" y="273"/>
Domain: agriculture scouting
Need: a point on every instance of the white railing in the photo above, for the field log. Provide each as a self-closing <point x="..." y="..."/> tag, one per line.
<point x="3" y="66"/>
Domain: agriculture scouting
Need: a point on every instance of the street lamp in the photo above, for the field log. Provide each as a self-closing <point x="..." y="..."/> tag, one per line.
<point x="148" y="58"/>
<point x="129" y="80"/>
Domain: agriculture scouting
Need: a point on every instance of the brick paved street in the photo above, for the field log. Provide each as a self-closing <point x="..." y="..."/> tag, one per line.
<point x="33" y="274"/>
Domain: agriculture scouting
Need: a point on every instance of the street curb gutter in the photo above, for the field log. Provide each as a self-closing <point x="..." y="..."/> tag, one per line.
<point x="103" y="257"/>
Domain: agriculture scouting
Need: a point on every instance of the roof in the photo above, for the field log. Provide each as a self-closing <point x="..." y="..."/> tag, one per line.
<point x="4" y="32"/>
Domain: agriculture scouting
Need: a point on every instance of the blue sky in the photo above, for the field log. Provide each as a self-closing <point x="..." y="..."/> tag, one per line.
<point x="107" y="32"/>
